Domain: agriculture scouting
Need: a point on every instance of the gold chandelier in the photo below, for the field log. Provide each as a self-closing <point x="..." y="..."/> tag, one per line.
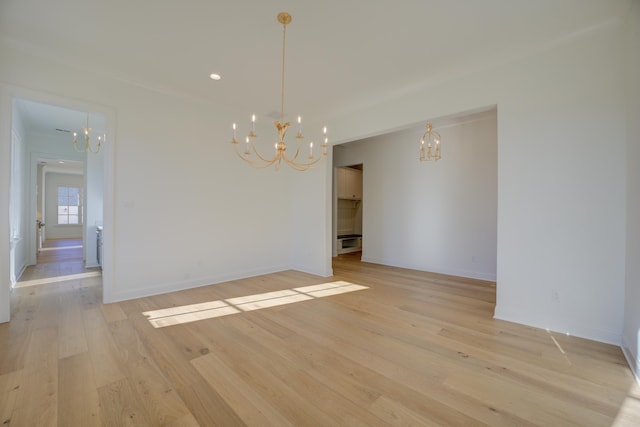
<point x="86" y="147"/>
<point x="432" y="139"/>
<point x="251" y="154"/>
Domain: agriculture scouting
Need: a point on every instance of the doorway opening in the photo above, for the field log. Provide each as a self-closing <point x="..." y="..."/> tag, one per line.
<point x="56" y="195"/>
<point x="348" y="215"/>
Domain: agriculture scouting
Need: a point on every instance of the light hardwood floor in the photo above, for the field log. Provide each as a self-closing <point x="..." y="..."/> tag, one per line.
<point x="413" y="348"/>
<point x="57" y="258"/>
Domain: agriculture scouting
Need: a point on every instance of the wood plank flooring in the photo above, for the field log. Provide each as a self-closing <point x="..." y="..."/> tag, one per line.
<point x="413" y="348"/>
<point x="60" y="250"/>
<point x="58" y="259"/>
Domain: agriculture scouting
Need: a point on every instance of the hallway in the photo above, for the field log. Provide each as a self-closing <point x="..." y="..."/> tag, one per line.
<point x="58" y="260"/>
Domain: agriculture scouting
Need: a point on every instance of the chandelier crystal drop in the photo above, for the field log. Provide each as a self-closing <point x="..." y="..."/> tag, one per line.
<point x="251" y="155"/>
<point x="432" y="140"/>
<point x="87" y="147"/>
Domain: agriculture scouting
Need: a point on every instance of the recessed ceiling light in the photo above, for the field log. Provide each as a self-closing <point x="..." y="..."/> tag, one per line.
<point x="214" y="76"/>
<point x="61" y="162"/>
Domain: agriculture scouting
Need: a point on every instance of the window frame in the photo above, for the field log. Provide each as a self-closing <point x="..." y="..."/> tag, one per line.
<point x="70" y="197"/>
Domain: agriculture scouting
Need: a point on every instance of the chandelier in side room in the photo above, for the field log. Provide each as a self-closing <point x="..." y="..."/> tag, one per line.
<point x="432" y="140"/>
<point x="87" y="147"/>
<point x="251" y="155"/>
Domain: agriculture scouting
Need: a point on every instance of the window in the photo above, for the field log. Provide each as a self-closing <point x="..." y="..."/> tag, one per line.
<point x="69" y="205"/>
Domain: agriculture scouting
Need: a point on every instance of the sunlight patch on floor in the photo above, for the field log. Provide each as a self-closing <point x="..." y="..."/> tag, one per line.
<point x="56" y="279"/>
<point x="559" y="347"/>
<point x="629" y="412"/>
<point x="61" y="248"/>
<point x="208" y="310"/>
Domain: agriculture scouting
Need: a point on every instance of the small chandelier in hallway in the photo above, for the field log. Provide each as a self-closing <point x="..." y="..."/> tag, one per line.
<point x="87" y="147"/>
<point x="432" y="139"/>
<point x="251" y="154"/>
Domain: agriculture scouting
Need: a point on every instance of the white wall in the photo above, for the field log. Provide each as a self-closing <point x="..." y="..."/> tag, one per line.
<point x="40" y="192"/>
<point x="186" y="212"/>
<point x="435" y="216"/>
<point x="310" y="221"/>
<point x="631" y="334"/>
<point x="19" y="218"/>
<point x="561" y="229"/>
<point x="94" y="183"/>
<point x="561" y="175"/>
<point x="5" y="192"/>
<point x="52" y="182"/>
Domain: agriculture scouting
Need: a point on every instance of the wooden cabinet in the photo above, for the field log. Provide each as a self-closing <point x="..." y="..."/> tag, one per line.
<point x="349" y="210"/>
<point x="348" y="244"/>
<point x="349" y="183"/>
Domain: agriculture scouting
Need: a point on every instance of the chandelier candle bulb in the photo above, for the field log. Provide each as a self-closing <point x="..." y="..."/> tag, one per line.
<point x="234" y="132"/>
<point x="246" y="151"/>
<point x="87" y="146"/>
<point x="311" y="150"/>
<point x="299" y="127"/>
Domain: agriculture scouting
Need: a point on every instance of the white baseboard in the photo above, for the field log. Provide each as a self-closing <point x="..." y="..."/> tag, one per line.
<point x="449" y="272"/>
<point x="607" y="337"/>
<point x="19" y="275"/>
<point x="117" y="295"/>
<point x="632" y="359"/>
<point x="313" y="271"/>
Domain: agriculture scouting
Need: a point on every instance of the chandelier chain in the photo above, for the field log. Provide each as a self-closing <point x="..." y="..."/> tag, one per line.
<point x="284" y="38"/>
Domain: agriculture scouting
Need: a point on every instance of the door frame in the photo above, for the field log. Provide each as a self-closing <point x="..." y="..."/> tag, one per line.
<point x="7" y="95"/>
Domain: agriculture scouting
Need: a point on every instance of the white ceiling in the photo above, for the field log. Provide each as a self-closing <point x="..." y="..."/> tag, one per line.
<point x="54" y="120"/>
<point x="57" y="122"/>
<point x="341" y="55"/>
